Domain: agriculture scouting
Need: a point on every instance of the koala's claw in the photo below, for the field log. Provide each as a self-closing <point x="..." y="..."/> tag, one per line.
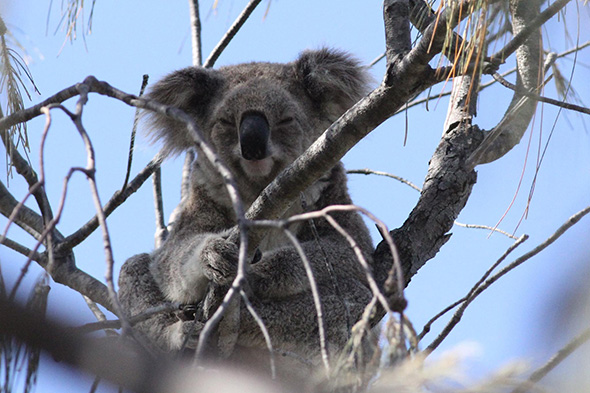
<point x="220" y="260"/>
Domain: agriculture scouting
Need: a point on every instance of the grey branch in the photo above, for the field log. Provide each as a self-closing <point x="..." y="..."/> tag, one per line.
<point x="526" y="20"/>
<point x="560" y="356"/>
<point x="233" y="30"/>
<point x="196" y="32"/>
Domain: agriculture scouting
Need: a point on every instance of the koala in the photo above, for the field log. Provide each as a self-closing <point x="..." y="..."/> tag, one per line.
<point x="258" y="117"/>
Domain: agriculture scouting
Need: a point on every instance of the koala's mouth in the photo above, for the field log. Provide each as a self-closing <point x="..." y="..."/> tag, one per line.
<point x="257" y="168"/>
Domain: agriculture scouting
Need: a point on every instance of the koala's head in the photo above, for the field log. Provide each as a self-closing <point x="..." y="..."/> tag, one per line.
<point x="259" y="117"/>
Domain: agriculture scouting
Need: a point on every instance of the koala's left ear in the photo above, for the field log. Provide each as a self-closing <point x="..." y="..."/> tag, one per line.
<point x="333" y="79"/>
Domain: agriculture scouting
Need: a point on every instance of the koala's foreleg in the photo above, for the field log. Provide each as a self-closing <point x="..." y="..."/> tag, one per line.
<point x="183" y="270"/>
<point x="138" y="292"/>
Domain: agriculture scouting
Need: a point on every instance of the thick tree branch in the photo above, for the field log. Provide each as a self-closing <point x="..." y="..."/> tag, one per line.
<point x="517" y="118"/>
<point x="445" y="192"/>
<point x="397" y="29"/>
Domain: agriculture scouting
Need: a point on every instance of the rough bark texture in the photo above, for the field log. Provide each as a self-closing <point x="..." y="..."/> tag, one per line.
<point x="446" y="189"/>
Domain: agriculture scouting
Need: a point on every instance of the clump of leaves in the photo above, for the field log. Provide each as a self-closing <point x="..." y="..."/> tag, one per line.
<point x="71" y="14"/>
<point x="13" y="70"/>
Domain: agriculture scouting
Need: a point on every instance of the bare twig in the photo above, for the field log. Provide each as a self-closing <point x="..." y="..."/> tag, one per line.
<point x="27" y="252"/>
<point x="316" y="297"/>
<point x="470" y="295"/>
<point x="161" y="229"/>
<point x="90" y="174"/>
<point x="116" y="200"/>
<point x="24" y="217"/>
<point x="561" y="355"/>
<point x="133" y="320"/>
<point x="538" y="97"/>
<point x="483" y="286"/>
<point x="520" y="38"/>
<point x="367" y="171"/>
<point x="196" y="32"/>
<point x="98" y="314"/>
<point x="264" y="330"/>
<point x="232" y="31"/>
<point x="35" y="110"/>
<point x="144" y="83"/>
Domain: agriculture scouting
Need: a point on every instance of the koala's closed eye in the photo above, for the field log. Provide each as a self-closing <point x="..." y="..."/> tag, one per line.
<point x="286" y="121"/>
<point x="226" y="122"/>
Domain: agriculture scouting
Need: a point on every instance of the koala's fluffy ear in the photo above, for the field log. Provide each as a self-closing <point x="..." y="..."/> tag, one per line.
<point x="192" y="90"/>
<point x="333" y="79"/>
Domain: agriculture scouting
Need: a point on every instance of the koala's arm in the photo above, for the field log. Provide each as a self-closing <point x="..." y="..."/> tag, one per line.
<point x="138" y="292"/>
<point x="281" y="272"/>
<point x="183" y="267"/>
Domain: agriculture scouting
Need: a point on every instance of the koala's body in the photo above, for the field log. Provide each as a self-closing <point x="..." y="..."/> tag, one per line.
<point x="258" y="117"/>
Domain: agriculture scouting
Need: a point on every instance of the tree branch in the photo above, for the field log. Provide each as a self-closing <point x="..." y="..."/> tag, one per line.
<point x="541" y="98"/>
<point x="196" y="32"/>
<point x="560" y="356"/>
<point x="21" y="215"/>
<point x="517" y="118"/>
<point x="534" y="22"/>
<point x="233" y="30"/>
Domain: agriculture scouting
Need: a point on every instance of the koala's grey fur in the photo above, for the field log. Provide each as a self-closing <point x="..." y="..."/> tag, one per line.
<point x="293" y="103"/>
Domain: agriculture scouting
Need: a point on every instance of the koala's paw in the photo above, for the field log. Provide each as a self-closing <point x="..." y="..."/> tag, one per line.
<point x="219" y="259"/>
<point x="185" y="334"/>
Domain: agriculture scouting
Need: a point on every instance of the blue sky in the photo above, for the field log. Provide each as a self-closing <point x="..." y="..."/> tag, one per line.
<point x="516" y="318"/>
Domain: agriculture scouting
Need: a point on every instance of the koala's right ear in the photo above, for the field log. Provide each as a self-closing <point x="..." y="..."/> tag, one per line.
<point x="192" y="90"/>
<point x="333" y="79"/>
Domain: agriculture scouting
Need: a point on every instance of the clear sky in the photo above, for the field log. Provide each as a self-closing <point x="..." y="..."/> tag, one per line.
<point x="521" y="316"/>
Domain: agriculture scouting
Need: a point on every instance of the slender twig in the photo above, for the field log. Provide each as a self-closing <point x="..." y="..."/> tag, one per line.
<point x="90" y="172"/>
<point x="98" y="314"/>
<point x="196" y="32"/>
<point x="473" y="293"/>
<point x="541" y="98"/>
<point x="470" y="295"/>
<point x="229" y="296"/>
<point x="26" y="171"/>
<point x="560" y="231"/>
<point x="133" y="320"/>
<point x="561" y="355"/>
<point x="329" y="266"/>
<point x="316" y="296"/>
<point x="485" y="227"/>
<point x="161" y="229"/>
<point x="367" y="171"/>
<point x="21" y="215"/>
<point x="523" y="35"/>
<point x="144" y="83"/>
<point x="231" y="32"/>
<point x="116" y="200"/>
<point x="264" y="330"/>
<point x="362" y="260"/>
<point x="48" y="218"/>
<point x="35" y="110"/>
<point x="27" y="252"/>
<point x="324" y="213"/>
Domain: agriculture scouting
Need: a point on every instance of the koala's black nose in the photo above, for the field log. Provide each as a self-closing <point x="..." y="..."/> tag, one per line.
<point x="254" y="136"/>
